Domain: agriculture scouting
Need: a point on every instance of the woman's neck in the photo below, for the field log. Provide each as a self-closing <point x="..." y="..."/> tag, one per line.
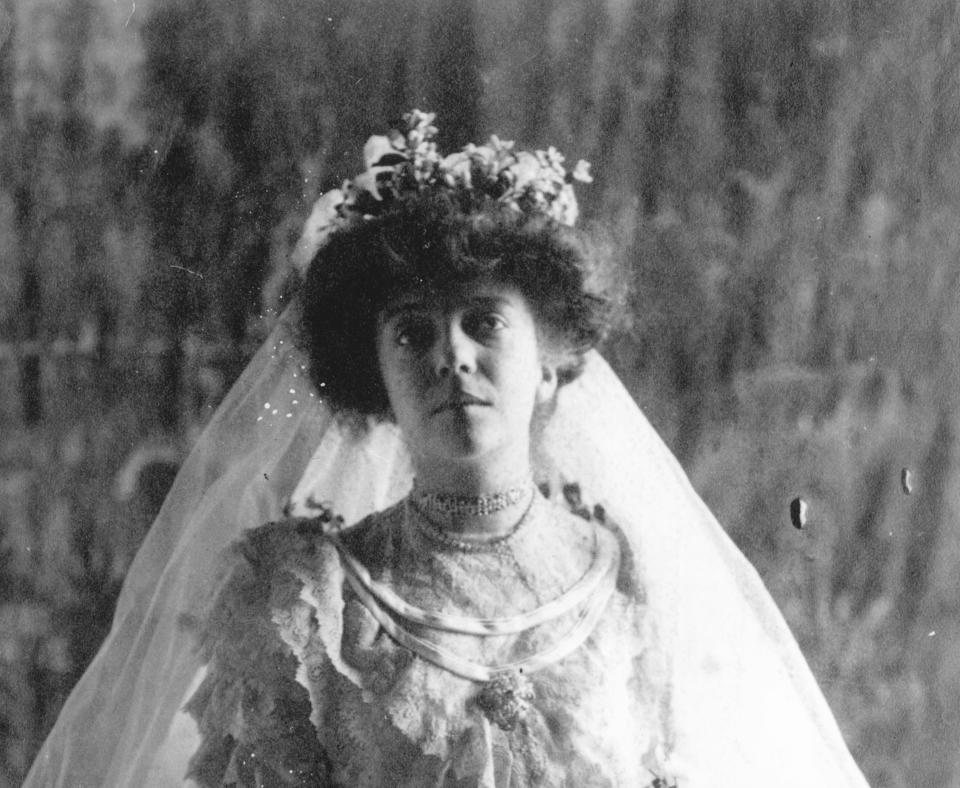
<point x="473" y="500"/>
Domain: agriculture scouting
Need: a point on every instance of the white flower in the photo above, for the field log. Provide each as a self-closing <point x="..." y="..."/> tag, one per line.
<point x="367" y="181"/>
<point x="408" y="160"/>
<point x="484" y="155"/>
<point x="418" y="119"/>
<point x="554" y="158"/>
<point x="564" y="208"/>
<point x="376" y="148"/>
<point x="456" y="169"/>
<point x="322" y="220"/>
<point x="425" y="160"/>
<point x="581" y="172"/>
<point x="421" y="129"/>
<point x="525" y="172"/>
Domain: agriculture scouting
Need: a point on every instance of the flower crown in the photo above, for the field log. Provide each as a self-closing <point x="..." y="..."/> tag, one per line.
<point x="408" y="162"/>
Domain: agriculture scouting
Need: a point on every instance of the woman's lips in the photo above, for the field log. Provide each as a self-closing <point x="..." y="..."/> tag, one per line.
<point x="459" y="401"/>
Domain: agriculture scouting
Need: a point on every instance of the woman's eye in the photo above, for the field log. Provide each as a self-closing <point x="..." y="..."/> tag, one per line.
<point x="413" y="333"/>
<point x="486" y="324"/>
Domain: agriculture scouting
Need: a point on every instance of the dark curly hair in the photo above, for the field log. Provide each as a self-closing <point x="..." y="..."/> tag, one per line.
<point x="442" y="240"/>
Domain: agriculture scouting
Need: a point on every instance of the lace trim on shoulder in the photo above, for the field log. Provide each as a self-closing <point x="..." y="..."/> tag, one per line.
<point x="253" y="715"/>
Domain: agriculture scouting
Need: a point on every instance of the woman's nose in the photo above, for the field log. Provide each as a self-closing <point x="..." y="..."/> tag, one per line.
<point x="456" y="353"/>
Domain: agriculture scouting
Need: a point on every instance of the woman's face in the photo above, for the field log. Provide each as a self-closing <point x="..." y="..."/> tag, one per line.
<point x="464" y="372"/>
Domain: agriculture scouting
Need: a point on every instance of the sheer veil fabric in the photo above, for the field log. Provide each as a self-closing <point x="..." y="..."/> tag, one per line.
<point x="742" y="705"/>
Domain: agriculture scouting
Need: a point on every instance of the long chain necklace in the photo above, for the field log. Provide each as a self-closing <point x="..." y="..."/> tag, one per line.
<point x="505" y="689"/>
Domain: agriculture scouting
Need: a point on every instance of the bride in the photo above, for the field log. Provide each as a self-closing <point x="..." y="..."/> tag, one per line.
<point x="449" y="609"/>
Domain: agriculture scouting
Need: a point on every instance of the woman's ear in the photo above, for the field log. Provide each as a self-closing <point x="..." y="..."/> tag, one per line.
<point x="547" y="388"/>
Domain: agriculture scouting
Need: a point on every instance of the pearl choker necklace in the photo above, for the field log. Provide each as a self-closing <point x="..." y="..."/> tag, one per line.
<point x="446" y="505"/>
<point x="441" y="536"/>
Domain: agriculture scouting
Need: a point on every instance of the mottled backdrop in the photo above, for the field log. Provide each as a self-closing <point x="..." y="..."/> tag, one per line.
<point x="780" y="178"/>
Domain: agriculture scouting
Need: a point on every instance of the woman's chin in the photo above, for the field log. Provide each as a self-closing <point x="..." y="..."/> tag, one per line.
<point x="467" y="446"/>
<point x="463" y="430"/>
<point x="475" y="443"/>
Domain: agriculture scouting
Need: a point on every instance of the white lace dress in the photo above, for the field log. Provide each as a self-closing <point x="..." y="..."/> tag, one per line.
<point x="304" y="686"/>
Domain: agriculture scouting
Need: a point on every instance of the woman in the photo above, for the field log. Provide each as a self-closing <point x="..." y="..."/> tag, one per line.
<point x="475" y="633"/>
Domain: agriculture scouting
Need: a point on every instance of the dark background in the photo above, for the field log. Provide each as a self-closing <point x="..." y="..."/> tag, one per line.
<point x="781" y="177"/>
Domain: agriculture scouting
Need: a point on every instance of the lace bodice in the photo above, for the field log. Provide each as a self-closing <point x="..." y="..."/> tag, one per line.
<point x="305" y="685"/>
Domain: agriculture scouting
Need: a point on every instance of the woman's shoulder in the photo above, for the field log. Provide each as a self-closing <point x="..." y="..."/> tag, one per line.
<point x="295" y="543"/>
<point x="280" y="586"/>
<point x="573" y="509"/>
<point x="249" y="695"/>
<point x="279" y="540"/>
<point x="263" y="573"/>
<point x="591" y="518"/>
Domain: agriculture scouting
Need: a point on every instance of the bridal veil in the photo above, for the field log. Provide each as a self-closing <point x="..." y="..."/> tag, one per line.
<point x="745" y="708"/>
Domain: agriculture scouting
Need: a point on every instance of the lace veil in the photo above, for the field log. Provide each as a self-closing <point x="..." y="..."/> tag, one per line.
<point x="742" y="705"/>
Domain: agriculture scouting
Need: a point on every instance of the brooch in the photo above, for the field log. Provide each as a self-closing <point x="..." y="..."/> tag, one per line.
<point x="505" y="698"/>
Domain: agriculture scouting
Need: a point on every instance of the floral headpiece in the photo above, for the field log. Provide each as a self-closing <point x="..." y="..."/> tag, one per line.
<point x="405" y="162"/>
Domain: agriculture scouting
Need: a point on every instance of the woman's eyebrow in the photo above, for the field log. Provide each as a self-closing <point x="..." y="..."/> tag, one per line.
<point x="421" y="305"/>
<point x="403" y="307"/>
<point x="488" y="301"/>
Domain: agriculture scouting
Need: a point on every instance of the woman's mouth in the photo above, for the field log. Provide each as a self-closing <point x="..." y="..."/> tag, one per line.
<point x="459" y="402"/>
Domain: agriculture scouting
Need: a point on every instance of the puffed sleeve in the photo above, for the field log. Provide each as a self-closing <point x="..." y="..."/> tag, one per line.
<point x="252" y="714"/>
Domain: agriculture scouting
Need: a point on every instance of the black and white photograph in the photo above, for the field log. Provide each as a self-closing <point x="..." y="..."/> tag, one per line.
<point x="479" y="393"/>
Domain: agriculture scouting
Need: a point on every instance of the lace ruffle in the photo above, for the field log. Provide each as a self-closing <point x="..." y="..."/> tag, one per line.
<point x="253" y="715"/>
<point x="304" y="687"/>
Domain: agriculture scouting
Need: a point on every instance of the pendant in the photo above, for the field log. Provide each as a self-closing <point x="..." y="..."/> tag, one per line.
<point x="505" y="698"/>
